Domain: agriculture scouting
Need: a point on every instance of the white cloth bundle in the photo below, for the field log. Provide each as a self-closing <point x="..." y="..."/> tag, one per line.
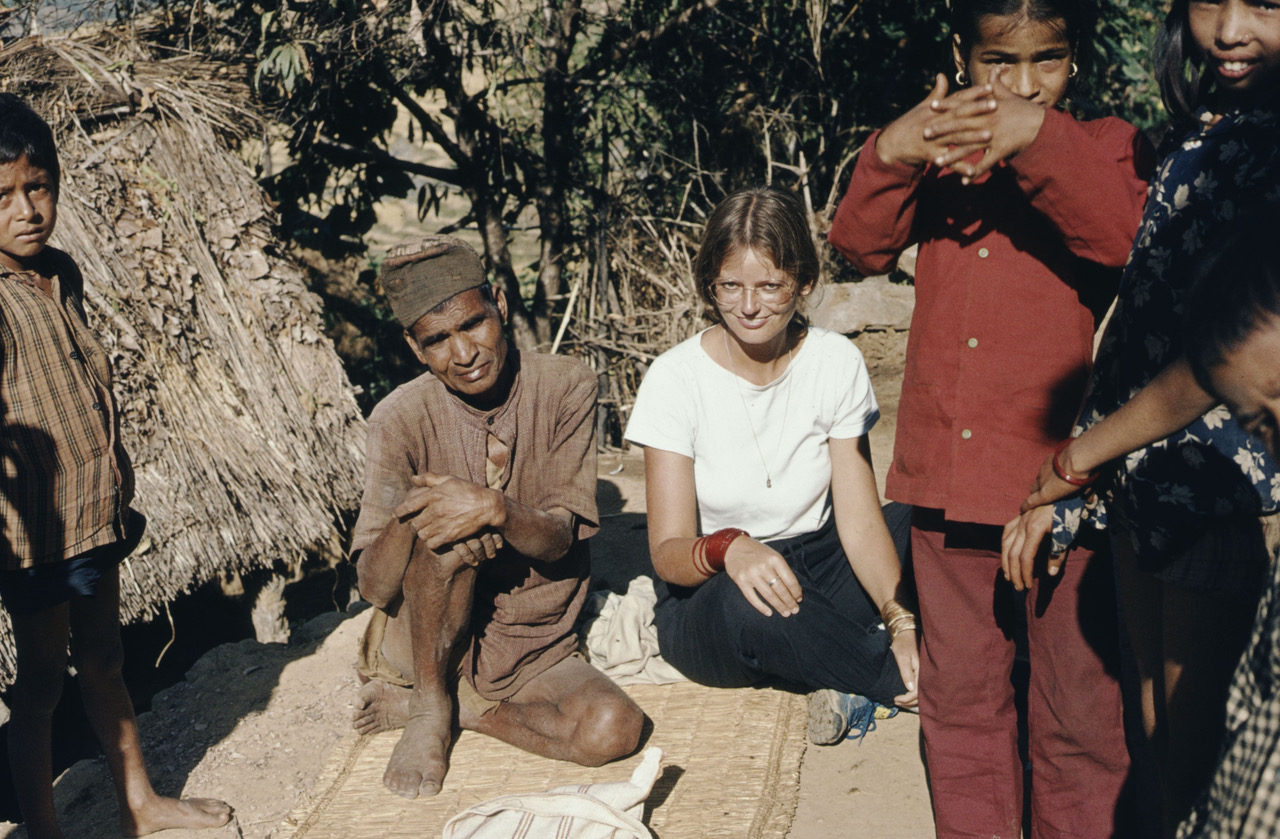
<point x="619" y="637"/>
<point x="588" y="811"/>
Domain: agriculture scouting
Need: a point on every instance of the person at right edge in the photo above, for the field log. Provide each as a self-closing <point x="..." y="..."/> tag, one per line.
<point x="1024" y="217"/>
<point x="1181" y="509"/>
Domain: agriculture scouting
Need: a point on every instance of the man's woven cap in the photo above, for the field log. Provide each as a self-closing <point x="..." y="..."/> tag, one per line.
<point x="419" y="275"/>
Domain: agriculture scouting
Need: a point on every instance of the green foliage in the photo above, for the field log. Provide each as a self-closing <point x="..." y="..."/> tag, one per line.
<point x="737" y="95"/>
<point x="750" y="84"/>
<point x="750" y="89"/>
<point x="715" y="100"/>
<point x="590" y="114"/>
<point x="311" y="65"/>
<point x="287" y="66"/>
<point x="1122" y="81"/>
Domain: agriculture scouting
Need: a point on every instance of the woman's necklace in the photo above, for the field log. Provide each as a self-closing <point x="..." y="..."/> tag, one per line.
<point x="786" y="408"/>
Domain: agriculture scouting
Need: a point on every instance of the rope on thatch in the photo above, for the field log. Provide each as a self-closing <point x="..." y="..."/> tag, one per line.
<point x="242" y="425"/>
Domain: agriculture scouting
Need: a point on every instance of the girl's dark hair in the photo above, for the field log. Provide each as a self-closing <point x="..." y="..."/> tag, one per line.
<point x="768" y="220"/>
<point x="1078" y="20"/>
<point x="1178" y="67"/>
<point x="1235" y="289"/>
<point x="24" y="134"/>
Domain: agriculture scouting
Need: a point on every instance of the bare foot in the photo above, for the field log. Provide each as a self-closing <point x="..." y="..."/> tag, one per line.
<point x="160" y="813"/>
<point x="381" y="707"/>
<point x="418" y="765"/>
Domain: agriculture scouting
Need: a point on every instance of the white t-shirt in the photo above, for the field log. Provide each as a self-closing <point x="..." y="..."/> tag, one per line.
<point x="690" y="405"/>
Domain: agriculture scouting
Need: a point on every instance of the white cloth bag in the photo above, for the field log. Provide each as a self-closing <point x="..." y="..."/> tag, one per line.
<point x="588" y="811"/>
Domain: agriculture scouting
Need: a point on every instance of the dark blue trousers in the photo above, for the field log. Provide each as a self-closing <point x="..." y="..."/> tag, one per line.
<point x="715" y="637"/>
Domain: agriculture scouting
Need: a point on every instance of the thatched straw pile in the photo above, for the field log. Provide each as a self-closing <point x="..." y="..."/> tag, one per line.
<point x="243" y="427"/>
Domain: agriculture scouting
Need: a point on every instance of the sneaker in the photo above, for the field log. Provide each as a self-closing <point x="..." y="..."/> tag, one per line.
<point x="833" y="716"/>
<point x="884" y="712"/>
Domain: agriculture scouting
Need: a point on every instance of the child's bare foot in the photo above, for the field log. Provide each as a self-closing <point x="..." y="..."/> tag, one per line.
<point x="418" y="764"/>
<point x="381" y="707"/>
<point x="160" y="813"/>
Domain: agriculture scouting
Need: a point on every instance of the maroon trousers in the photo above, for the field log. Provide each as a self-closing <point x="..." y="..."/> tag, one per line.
<point x="1077" y="750"/>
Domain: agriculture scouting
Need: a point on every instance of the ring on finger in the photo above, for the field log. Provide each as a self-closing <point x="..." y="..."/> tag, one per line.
<point x="772" y="582"/>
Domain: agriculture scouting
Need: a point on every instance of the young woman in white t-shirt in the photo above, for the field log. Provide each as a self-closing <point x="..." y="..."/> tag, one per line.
<point x="755" y="436"/>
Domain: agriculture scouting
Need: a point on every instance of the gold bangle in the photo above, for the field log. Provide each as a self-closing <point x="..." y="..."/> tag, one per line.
<point x="892" y="609"/>
<point x="897" y="618"/>
<point x="897" y="629"/>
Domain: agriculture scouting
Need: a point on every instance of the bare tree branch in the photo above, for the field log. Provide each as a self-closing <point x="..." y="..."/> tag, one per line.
<point x="372" y="154"/>
<point x="429" y="123"/>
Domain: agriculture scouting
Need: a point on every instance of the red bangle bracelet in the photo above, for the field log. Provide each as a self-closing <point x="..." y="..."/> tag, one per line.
<point x="699" y="557"/>
<point x="716" y="545"/>
<point x="1062" y="473"/>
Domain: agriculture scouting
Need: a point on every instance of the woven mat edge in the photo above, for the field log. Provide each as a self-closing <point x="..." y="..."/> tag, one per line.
<point x="339" y="765"/>
<point x="778" y="799"/>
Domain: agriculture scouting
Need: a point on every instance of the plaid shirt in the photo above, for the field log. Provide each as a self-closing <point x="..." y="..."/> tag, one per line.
<point x="1243" y="799"/>
<point x="65" y="480"/>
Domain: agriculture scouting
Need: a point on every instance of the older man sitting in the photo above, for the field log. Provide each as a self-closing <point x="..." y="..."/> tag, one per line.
<point x="479" y="494"/>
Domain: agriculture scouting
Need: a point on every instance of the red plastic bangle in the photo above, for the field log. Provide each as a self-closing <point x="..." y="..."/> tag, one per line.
<point x="717" y="545"/>
<point x="1062" y="473"/>
<point x="699" y="557"/>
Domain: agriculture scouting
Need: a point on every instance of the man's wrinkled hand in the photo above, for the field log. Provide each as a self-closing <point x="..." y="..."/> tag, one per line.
<point x="478" y="549"/>
<point x="444" y="510"/>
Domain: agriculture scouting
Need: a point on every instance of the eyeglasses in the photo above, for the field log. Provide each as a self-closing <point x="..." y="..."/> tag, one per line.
<point x="730" y="292"/>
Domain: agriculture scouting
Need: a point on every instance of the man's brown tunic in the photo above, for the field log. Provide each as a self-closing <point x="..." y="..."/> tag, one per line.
<point x="524" y="609"/>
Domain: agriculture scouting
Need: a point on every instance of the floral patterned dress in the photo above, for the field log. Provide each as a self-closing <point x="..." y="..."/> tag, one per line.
<point x="1166" y="495"/>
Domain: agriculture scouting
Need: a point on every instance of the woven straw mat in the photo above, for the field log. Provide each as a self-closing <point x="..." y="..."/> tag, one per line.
<point x="731" y="769"/>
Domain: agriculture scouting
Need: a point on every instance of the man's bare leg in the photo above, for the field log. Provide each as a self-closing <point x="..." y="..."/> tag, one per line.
<point x="437" y="595"/>
<point x="382" y="706"/>
<point x="571" y="712"/>
<point x="99" y="654"/>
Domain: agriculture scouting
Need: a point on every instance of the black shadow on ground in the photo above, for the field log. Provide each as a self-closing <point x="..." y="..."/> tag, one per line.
<point x="620" y="551"/>
<point x="161" y="655"/>
<point x="662" y="790"/>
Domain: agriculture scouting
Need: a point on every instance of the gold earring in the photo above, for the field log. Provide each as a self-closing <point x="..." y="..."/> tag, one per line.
<point x="1074" y="70"/>
<point x="962" y="78"/>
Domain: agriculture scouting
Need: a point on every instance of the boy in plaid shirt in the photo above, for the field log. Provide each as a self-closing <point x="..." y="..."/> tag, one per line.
<point x="65" y="487"/>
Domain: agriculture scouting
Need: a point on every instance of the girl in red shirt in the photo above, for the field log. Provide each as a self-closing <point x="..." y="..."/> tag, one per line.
<point x="1024" y="217"/>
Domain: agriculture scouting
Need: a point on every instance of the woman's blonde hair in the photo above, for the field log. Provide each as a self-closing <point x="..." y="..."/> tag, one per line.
<point x="768" y="220"/>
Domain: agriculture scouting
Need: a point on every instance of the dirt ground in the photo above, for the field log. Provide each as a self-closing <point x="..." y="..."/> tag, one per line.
<point x="254" y="723"/>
